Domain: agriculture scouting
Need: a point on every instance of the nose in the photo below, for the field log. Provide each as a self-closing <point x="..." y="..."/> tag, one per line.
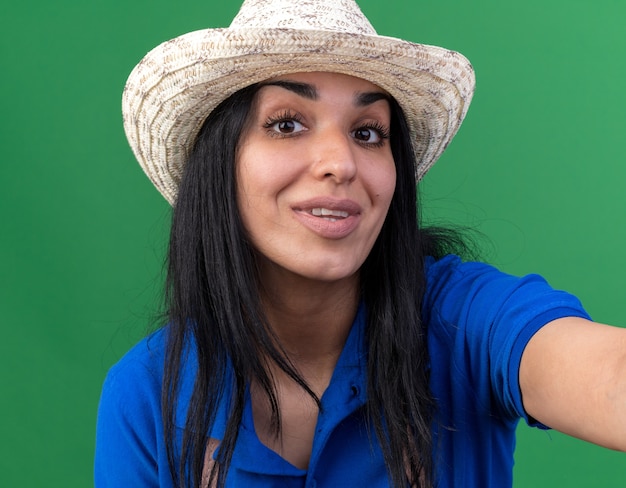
<point x="334" y="156"/>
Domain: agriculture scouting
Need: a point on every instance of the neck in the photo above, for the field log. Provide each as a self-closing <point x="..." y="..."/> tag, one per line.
<point x="311" y="319"/>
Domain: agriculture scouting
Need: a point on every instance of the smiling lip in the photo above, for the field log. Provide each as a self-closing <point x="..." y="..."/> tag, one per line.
<point x="329" y="217"/>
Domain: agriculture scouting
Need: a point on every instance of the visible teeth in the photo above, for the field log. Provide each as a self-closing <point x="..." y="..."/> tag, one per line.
<point x="325" y="212"/>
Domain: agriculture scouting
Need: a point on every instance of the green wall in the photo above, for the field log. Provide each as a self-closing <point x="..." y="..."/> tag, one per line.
<point x="538" y="167"/>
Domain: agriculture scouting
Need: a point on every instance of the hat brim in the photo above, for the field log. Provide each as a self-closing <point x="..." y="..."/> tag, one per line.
<point x="171" y="92"/>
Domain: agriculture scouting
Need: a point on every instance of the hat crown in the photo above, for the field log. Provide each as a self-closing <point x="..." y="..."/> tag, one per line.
<point x="327" y="15"/>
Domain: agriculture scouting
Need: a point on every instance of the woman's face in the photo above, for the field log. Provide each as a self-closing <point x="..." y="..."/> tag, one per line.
<point x="315" y="174"/>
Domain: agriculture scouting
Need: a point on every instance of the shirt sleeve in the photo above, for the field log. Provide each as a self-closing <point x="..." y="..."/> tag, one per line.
<point x="480" y="320"/>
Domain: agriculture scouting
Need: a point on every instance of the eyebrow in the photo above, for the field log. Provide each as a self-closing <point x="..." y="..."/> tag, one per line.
<point x="303" y="89"/>
<point x="367" y="98"/>
<point x="309" y="91"/>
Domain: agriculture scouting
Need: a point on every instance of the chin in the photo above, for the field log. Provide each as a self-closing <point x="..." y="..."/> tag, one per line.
<point x="329" y="274"/>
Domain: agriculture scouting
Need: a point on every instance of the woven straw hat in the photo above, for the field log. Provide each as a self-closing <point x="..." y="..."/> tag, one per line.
<point x="173" y="89"/>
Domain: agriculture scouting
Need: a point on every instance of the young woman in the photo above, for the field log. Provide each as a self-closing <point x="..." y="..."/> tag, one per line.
<point x="317" y="336"/>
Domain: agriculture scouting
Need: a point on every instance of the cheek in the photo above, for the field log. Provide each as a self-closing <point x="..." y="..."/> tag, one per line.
<point x="254" y="174"/>
<point x="259" y="189"/>
<point x="246" y="191"/>
<point x="262" y="178"/>
<point x="383" y="181"/>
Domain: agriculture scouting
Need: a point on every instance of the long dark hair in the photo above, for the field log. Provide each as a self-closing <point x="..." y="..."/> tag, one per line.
<point x="213" y="305"/>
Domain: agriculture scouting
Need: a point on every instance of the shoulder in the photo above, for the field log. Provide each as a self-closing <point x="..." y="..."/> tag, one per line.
<point x="133" y="386"/>
<point x="140" y="372"/>
<point x="451" y="271"/>
<point x="455" y="288"/>
<point x="142" y="362"/>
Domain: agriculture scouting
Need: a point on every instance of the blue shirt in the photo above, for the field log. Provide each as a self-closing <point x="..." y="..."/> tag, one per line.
<point x="479" y="321"/>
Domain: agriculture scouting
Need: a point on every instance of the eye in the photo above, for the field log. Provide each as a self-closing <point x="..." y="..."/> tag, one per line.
<point x="367" y="135"/>
<point x="287" y="126"/>
<point x="372" y="134"/>
<point x="284" y="124"/>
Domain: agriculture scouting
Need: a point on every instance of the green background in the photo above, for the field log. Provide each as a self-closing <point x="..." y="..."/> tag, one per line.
<point x="538" y="167"/>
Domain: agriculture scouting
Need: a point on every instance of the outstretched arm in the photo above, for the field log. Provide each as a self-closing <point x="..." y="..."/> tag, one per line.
<point x="573" y="379"/>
